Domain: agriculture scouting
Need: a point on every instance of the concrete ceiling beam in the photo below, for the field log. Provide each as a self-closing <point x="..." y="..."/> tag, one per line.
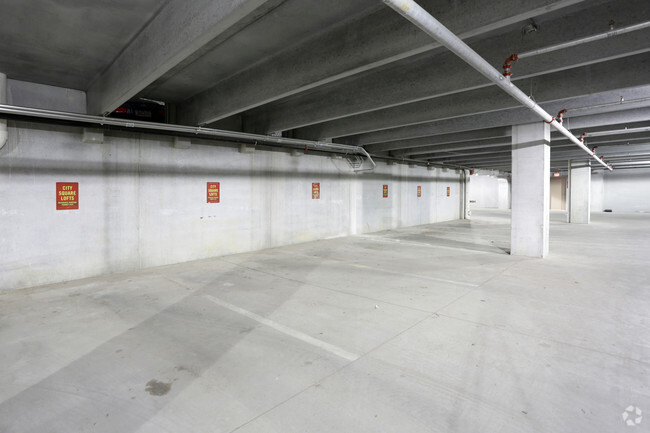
<point x="556" y="146"/>
<point x="178" y="30"/>
<point x="468" y="136"/>
<point x="445" y="74"/>
<point x="448" y="155"/>
<point x="496" y="143"/>
<point x="370" y="42"/>
<point x="577" y="119"/>
<point x="573" y="83"/>
<point x="398" y="148"/>
<point x="451" y="147"/>
<point x="505" y="157"/>
<point x="583" y="119"/>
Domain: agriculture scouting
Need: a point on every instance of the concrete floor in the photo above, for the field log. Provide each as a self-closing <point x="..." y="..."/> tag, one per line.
<point x="425" y="329"/>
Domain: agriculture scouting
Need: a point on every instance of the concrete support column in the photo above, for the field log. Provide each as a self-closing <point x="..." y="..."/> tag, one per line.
<point x="579" y="207"/>
<point x="3" y="100"/>
<point x="531" y="155"/>
<point x="464" y="199"/>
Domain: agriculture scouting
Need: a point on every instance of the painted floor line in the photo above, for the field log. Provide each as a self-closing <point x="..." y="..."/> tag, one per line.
<point x="286" y="330"/>
<point x="422" y="244"/>
<point x="386" y="271"/>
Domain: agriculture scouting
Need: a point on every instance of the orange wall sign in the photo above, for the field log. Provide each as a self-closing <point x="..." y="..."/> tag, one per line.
<point x="67" y="195"/>
<point x="315" y="190"/>
<point x="448" y="191"/>
<point x="419" y="191"/>
<point x="213" y="192"/>
<point x="385" y="191"/>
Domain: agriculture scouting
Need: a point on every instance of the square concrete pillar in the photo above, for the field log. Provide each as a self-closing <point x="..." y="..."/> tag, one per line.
<point x="579" y="193"/>
<point x="531" y="165"/>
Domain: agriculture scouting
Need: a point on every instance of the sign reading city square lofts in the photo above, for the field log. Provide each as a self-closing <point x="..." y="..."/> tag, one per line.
<point x="67" y="195"/>
<point x="213" y="192"/>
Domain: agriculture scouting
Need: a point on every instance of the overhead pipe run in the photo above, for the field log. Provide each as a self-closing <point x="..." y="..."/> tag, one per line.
<point x="507" y="65"/>
<point x="620" y="131"/>
<point x="188" y="130"/>
<point x="421" y="18"/>
<point x="611" y="104"/>
<point x="4" y="135"/>
<point x="587" y="39"/>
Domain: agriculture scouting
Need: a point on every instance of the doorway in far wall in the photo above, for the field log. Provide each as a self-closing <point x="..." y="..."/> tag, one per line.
<point x="558" y="193"/>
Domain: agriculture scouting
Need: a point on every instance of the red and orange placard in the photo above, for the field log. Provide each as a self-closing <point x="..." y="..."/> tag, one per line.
<point x="213" y="192"/>
<point x="67" y="195"/>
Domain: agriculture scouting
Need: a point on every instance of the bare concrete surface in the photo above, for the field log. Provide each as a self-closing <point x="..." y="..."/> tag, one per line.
<point x="427" y="329"/>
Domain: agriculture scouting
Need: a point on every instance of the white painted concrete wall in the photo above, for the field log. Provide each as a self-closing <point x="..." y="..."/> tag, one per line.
<point x="580" y="195"/>
<point x="627" y="190"/>
<point x="597" y="191"/>
<point x="484" y="191"/>
<point x="143" y="202"/>
<point x="489" y="192"/>
<point x="504" y="194"/>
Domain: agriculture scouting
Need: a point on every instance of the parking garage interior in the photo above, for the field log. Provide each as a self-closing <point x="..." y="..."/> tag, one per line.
<point x="324" y="216"/>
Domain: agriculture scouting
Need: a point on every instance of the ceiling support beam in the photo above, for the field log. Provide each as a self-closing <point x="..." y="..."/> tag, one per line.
<point x="504" y="118"/>
<point x="443" y="74"/>
<point x="468" y="136"/>
<point x="479" y="146"/>
<point x="573" y="83"/>
<point x="371" y="42"/>
<point x="178" y="30"/>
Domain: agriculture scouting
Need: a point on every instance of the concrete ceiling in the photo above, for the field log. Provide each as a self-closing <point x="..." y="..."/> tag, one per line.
<point x="353" y="72"/>
<point x="67" y="43"/>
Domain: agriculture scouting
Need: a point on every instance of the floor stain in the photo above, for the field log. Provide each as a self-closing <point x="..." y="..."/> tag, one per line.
<point x="158" y="388"/>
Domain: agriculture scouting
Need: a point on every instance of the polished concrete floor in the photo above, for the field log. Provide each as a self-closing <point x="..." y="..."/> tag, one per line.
<point x="425" y="329"/>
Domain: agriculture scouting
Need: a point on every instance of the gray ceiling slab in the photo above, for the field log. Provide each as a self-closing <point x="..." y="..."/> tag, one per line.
<point x="611" y="113"/>
<point x="370" y="42"/>
<point x="67" y="43"/>
<point x="285" y="28"/>
<point x="476" y="139"/>
<point x="179" y="30"/>
<point x="433" y="76"/>
<point x="576" y="82"/>
<point x="438" y="139"/>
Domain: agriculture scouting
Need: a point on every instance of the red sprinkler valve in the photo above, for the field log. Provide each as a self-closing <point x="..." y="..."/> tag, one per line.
<point x="508" y="64"/>
<point x="558" y="118"/>
<point x="582" y="137"/>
